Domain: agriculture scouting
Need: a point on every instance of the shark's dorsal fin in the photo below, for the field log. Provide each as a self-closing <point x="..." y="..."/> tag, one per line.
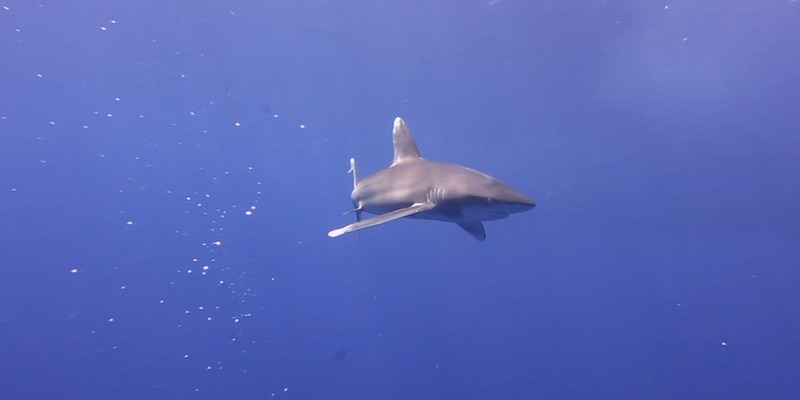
<point x="405" y="148"/>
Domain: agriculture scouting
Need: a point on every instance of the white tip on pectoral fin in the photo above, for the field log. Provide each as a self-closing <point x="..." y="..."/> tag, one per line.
<point x="337" y="232"/>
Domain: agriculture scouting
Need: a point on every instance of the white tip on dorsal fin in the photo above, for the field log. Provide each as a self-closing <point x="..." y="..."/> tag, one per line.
<point x="405" y="148"/>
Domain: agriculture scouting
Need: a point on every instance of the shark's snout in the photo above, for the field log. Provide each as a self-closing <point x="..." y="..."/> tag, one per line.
<point x="510" y="199"/>
<point x="510" y="207"/>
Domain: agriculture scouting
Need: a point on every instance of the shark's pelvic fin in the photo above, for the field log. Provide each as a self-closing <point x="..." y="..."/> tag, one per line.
<point x="475" y="229"/>
<point x="355" y="210"/>
<point x="380" y="219"/>
<point x="404" y="146"/>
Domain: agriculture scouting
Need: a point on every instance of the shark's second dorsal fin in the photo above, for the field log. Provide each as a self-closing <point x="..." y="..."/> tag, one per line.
<point x="405" y="148"/>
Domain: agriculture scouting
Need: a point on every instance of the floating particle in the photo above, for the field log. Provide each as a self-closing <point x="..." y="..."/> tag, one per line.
<point x="74" y="270"/>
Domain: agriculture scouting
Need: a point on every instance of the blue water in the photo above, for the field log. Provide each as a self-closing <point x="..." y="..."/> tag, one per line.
<point x="169" y="171"/>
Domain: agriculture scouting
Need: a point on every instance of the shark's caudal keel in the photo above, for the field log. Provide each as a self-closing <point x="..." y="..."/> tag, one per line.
<point x="417" y="188"/>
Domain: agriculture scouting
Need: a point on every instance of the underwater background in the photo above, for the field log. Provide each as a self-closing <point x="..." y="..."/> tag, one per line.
<point x="169" y="171"/>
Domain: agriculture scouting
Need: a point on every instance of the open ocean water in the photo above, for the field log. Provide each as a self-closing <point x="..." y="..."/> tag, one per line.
<point x="169" y="170"/>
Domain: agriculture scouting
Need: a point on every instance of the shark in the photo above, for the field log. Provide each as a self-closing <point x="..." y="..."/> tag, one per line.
<point x="414" y="187"/>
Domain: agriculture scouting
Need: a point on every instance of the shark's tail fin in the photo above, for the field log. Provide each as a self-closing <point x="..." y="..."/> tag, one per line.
<point x="354" y="171"/>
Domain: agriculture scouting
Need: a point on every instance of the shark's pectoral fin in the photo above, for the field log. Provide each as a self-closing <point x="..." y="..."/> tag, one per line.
<point x="475" y="229"/>
<point x="380" y="219"/>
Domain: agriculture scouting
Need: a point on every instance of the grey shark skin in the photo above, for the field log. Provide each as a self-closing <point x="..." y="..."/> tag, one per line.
<point x="414" y="187"/>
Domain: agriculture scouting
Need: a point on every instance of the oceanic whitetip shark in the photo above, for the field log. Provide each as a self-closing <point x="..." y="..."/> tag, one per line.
<point x="414" y="187"/>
